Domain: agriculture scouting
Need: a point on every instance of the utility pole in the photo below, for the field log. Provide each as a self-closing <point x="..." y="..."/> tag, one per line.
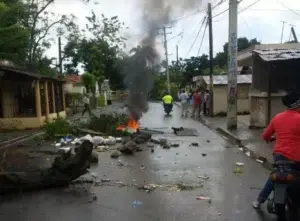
<point x="283" y="23"/>
<point x="167" y="60"/>
<point x="211" y="58"/>
<point x="294" y="34"/>
<point x="232" y="66"/>
<point x="177" y="59"/>
<point x="60" y="57"/>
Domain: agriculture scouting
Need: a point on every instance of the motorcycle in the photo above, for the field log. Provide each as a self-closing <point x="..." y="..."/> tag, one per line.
<point x="168" y="108"/>
<point x="286" y="201"/>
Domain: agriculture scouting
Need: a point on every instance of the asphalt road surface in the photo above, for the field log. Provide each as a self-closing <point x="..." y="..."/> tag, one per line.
<point x="230" y="194"/>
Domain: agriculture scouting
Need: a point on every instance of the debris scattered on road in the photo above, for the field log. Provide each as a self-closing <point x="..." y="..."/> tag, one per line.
<point x="239" y="164"/>
<point x="185" y="186"/>
<point x="238" y="170"/>
<point x="241" y="149"/>
<point x="115" y="154"/>
<point x="263" y="159"/>
<point x="94" y="198"/>
<point x="204" y="154"/>
<point x="248" y="153"/>
<point x="174" y="145"/>
<point x="163" y="141"/>
<point x="120" y="163"/>
<point x="260" y="161"/>
<point x="105" y="180"/>
<point x="255" y="188"/>
<point x="152" y="150"/>
<point x="202" y="198"/>
<point x="203" y="177"/>
<point x="148" y="188"/>
<point x="136" y="203"/>
<point x="142" y="167"/>
<point x="195" y="144"/>
<point x="150" y="145"/>
<point x="166" y="146"/>
<point x="208" y="141"/>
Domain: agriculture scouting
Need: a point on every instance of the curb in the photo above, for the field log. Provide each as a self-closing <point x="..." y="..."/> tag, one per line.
<point x="233" y="139"/>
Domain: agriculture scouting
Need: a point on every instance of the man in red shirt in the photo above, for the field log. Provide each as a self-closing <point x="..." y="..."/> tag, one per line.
<point x="196" y="104"/>
<point x="286" y="127"/>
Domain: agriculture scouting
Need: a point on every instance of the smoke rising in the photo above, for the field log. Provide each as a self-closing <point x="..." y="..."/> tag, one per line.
<point x="145" y="60"/>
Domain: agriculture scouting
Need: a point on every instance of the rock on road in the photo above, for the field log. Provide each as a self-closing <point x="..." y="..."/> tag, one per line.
<point x="231" y="194"/>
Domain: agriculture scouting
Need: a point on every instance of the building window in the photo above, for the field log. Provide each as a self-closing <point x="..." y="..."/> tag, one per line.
<point x="58" y="97"/>
<point x="25" y="96"/>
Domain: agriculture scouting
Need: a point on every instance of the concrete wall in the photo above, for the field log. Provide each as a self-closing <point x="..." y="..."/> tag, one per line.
<point x="220" y="98"/>
<point x="259" y="108"/>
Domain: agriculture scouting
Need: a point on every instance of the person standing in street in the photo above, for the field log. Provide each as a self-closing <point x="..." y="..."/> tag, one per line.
<point x="206" y="104"/>
<point x="184" y="97"/>
<point x="86" y="102"/>
<point x="196" y="104"/>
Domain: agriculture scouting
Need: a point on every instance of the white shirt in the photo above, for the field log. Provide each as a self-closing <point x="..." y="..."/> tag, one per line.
<point x="86" y="100"/>
<point x="183" y="97"/>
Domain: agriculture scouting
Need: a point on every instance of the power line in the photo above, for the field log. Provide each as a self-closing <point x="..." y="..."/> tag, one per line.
<point x="244" y="9"/>
<point x="202" y="39"/>
<point x="171" y="38"/>
<point x="296" y="13"/>
<point x="204" y="19"/>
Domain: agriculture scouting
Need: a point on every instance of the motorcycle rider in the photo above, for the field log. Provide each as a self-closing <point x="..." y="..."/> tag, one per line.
<point x="167" y="101"/>
<point x="286" y="127"/>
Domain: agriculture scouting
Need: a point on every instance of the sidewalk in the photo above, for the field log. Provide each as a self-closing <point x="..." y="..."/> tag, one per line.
<point x="243" y="137"/>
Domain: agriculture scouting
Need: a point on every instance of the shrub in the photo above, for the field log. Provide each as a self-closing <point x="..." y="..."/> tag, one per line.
<point x="58" y="127"/>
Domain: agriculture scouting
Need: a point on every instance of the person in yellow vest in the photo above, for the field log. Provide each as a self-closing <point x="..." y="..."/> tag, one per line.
<point x="168" y="102"/>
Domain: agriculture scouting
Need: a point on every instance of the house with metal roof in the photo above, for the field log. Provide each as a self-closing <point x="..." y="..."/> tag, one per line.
<point x="220" y="88"/>
<point x="275" y="71"/>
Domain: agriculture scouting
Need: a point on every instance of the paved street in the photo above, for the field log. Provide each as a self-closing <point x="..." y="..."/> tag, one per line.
<point x="231" y="194"/>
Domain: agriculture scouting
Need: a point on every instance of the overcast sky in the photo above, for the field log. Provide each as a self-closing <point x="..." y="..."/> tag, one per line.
<point x="262" y="20"/>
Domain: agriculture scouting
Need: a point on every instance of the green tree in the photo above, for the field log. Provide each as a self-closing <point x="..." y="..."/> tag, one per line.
<point x="243" y="43"/>
<point x="13" y="36"/>
<point x="99" y="54"/>
<point x="89" y="81"/>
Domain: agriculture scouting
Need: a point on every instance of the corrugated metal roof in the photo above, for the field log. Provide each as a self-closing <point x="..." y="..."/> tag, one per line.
<point x="223" y="79"/>
<point x="278" y="54"/>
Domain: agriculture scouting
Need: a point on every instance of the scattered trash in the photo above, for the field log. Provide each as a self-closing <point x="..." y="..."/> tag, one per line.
<point x="208" y="141"/>
<point x="105" y="180"/>
<point x="166" y="146"/>
<point x="177" y="153"/>
<point x="174" y="145"/>
<point x="150" y="145"/>
<point x="238" y="170"/>
<point x="136" y="203"/>
<point x="263" y="159"/>
<point x="163" y="141"/>
<point x="118" y="139"/>
<point x="58" y="144"/>
<point x="248" y="153"/>
<point x="195" y="144"/>
<point x="120" y="164"/>
<point x="120" y="183"/>
<point x="202" y="198"/>
<point x="255" y="188"/>
<point x="148" y="188"/>
<point x="184" y="186"/>
<point x="102" y="149"/>
<point x="94" y="198"/>
<point x="115" y="154"/>
<point x="204" y="154"/>
<point x="94" y="175"/>
<point x="203" y="177"/>
<point x="155" y="141"/>
<point x="241" y="149"/>
<point x="152" y="150"/>
<point x="260" y="161"/>
<point x="97" y="140"/>
<point x="239" y="164"/>
<point x="142" y="167"/>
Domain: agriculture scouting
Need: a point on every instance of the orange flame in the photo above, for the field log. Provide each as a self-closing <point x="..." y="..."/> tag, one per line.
<point x="132" y="124"/>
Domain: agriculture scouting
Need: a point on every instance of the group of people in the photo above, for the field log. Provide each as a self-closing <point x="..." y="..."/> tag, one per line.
<point x="200" y="99"/>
